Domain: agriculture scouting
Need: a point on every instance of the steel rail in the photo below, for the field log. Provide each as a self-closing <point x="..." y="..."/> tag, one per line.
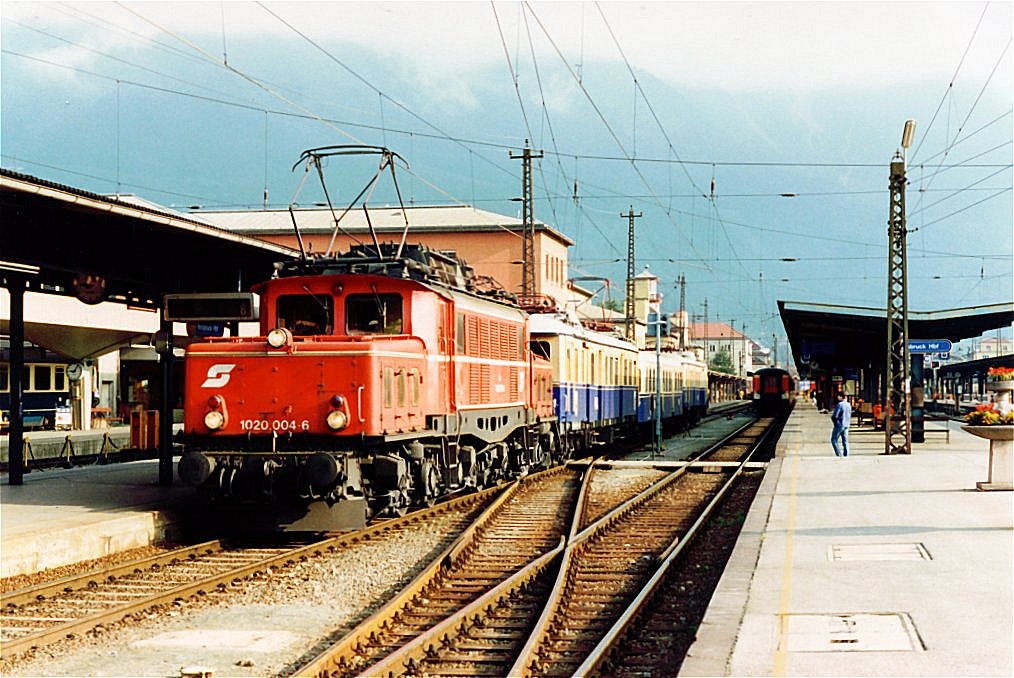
<point x="102" y="575"/>
<point x="527" y="657"/>
<point x="349" y="653"/>
<point x="79" y="626"/>
<point x="476" y="613"/>
<point x="616" y="633"/>
<point x="479" y="612"/>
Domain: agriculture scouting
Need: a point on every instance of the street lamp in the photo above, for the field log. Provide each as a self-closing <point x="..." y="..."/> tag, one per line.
<point x="906" y="136"/>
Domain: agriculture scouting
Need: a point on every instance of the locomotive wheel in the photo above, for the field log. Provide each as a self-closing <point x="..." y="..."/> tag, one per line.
<point x="430" y="485"/>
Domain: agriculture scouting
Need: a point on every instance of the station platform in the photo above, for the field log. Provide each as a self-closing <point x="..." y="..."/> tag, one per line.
<point x="870" y="565"/>
<point x="62" y="516"/>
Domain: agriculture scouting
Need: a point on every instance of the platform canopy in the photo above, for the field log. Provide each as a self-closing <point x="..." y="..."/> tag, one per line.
<point x="63" y="240"/>
<point x="60" y="240"/>
<point x="831" y="338"/>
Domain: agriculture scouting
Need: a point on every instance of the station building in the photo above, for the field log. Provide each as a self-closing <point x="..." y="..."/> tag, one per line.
<point x="491" y="243"/>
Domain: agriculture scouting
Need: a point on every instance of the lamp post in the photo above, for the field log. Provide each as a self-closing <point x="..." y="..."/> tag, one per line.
<point x="656" y="325"/>
<point x="898" y="409"/>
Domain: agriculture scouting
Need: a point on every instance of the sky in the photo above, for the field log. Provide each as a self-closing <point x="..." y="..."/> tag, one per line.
<point x="755" y="138"/>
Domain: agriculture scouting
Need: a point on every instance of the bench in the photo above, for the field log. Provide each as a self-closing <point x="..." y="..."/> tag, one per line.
<point x="945" y="430"/>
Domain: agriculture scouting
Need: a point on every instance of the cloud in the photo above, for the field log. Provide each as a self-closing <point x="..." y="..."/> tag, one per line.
<point x="743" y="46"/>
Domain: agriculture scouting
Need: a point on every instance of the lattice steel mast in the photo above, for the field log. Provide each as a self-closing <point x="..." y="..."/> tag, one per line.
<point x="629" y="309"/>
<point x="528" y="221"/>
<point x="898" y="410"/>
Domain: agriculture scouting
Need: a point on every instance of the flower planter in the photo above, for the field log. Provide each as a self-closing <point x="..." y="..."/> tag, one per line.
<point x="1002" y="398"/>
<point x="1001" y="455"/>
<point x="994" y="432"/>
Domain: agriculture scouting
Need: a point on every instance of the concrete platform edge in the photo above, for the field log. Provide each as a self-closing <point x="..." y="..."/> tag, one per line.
<point x="23" y="555"/>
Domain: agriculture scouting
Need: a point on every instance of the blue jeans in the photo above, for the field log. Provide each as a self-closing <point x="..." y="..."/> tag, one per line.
<point x="840" y="450"/>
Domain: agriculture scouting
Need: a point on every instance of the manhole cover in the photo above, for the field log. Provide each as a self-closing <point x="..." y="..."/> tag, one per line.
<point x="861" y="632"/>
<point x="878" y="552"/>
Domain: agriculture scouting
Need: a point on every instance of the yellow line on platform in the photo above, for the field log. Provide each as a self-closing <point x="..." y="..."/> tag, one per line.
<point x="781" y="651"/>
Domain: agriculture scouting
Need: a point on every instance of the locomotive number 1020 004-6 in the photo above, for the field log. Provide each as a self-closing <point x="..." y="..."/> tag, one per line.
<point x="274" y="425"/>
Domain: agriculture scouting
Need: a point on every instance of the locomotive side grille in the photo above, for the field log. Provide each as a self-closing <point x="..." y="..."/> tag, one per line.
<point x="484" y="386"/>
<point x="484" y="337"/>
<point x="504" y="341"/>
<point x="474" y="380"/>
<point x="514" y="384"/>
<point x="473" y="336"/>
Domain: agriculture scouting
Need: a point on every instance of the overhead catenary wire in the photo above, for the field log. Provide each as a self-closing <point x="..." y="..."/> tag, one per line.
<point x="601" y="115"/>
<point x="365" y="81"/>
<point x="483" y="143"/>
<point x="670" y="159"/>
<point x="950" y="85"/>
<point x="972" y="108"/>
<point x="524" y="114"/>
<point x="252" y="80"/>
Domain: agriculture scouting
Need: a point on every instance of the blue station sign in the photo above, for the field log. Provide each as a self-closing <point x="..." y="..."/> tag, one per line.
<point x="929" y="345"/>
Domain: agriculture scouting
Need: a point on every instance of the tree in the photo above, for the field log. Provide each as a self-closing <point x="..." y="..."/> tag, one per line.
<point x="722" y="362"/>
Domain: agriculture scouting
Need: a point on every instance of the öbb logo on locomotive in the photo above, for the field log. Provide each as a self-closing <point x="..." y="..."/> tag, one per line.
<point x="218" y="376"/>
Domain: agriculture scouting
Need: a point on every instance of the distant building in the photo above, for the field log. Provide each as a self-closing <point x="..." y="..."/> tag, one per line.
<point x="718" y="337"/>
<point x="992" y="347"/>
<point x="491" y="243"/>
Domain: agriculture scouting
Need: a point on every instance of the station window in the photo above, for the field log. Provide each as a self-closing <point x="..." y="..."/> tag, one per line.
<point x="305" y="315"/>
<point x="373" y="314"/>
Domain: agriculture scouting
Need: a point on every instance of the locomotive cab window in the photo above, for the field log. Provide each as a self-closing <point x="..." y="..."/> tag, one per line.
<point x="373" y="314"/>
<point x="305" y="315"/>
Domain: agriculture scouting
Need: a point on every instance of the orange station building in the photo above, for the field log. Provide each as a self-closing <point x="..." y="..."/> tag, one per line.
<point x="491" y="243"/>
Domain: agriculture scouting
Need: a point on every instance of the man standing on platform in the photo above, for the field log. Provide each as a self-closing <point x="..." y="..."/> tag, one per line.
<point x="841" y="417"/>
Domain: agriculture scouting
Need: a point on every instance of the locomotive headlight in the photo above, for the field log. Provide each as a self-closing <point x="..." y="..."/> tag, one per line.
<point x="279" y="337"/>
<point x="337" y="420"/>
<point x="214" y="420"/>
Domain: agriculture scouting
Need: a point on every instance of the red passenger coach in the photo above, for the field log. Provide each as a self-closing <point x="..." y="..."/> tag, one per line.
<point x="383" y="376"/>
<point x="774" y="391"/>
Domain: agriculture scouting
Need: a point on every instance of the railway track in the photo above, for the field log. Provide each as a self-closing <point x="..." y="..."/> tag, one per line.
<point x="605" y="567"/>
<point x="589" y="582"/>
<point x="657" y="638"/>
<point x="48" y="613"/>
<point x="529" y="519"/>
<point x="610" y="487"/>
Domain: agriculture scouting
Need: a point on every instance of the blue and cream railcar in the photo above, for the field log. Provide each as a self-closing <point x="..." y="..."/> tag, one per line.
<point x="45" y="393"/>
<point x="660" y="377"/>
<point x="595" y="378"/>
<point x="684" y="387"/>
<point x="695" y="386"/>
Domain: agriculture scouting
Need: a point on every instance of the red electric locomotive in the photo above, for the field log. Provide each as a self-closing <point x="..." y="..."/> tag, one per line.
<point x="383" y="377"/>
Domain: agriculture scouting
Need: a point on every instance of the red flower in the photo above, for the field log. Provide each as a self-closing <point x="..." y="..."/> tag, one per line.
<point x="1000" y="373"/>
